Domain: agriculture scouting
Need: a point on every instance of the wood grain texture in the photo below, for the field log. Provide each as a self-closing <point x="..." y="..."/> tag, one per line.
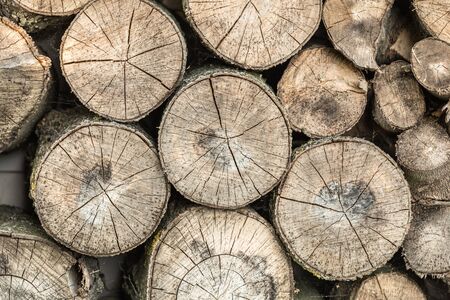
<point x="25" y="84"/>
<point x="224" y="141"/>
<point x="434" y="16"/>
<point x="123" y="58"/>
<point x="424" y="154"/>
<point x="218" y="254"/>
<point x="343" y="208"/>
<point x="430" y="60"/>
<point x="256" y="34"/>
<point x="52" y="7"/>
<point x="355" y="27"/>
<point x="426" y="247"/>
<point x="399" y="103"/>
<point x="99" y="188"/>
<point x="324" y="94"/>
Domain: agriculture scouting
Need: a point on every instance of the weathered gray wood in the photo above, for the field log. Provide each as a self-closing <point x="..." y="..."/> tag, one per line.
<point x="434" y="17"/>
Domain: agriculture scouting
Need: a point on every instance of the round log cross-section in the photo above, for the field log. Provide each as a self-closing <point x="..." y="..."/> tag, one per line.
<point x="217" y="254"/>
<point x="324" y="93"/>
<point x="255" y="34"/>
<point x="434" y="17"/>
<point x="51" y="7"/>
<point x="224" y="141"/>
<point x="430" y="60"/>
<point x="99" y="188"/>
<point x="123" y="58"/>
<point x="399" y="103"/>
<point x="25" y="84"/>
<point x="343" y="208"/>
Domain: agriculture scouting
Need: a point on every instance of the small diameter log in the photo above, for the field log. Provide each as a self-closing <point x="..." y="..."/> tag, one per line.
<point x="36" y="15"/>
<point x="254" y="34"/>
<point x="98" y="186"/>
<point x="32" y="266"/>
<point x="430" y="60"/>
<point x="434" y="17"/>
<point x="343" y="208"/>
<point x="424" y="154"/>
<point x="324" y="93"/>
<point x="25" y="84"/>
<point x="215" y="254"/>
<point x="426" y="247"/>
<point x="399" y="103"/>
<point x="123" y="58"/>
<point x="224" y="141"/>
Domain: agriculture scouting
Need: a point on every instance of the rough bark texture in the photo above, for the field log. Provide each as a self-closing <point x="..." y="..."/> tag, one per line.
<point x="426" y="247"/>
<point x="34" y="267"/>
<point x="254" y="34"/>
<point x="123" y="59"/>
<point x="434" y="16"/>
<point x="424" y="154"/>
<point x="98" y="186"/>
<point x="215" y="254"/>
<point x="224" y="140"/>
<point x="399" y="102"/>
<point x="25" y="84"/>
<point x="430" y="60"/>
<point x="324" y="93"/>
<point x="343" y="208"/>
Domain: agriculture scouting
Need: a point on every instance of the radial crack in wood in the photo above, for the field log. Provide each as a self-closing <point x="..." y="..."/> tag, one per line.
<point x="324" y="93"/>
<point x="434" y="16"/>
<point x="343" y="208"/>
<point x="123" y="58"/>
<point x="99" y="188"/>
<point x="25" y="84"/>
<point x="224" y="141"/>
<point x="254" y="34"/>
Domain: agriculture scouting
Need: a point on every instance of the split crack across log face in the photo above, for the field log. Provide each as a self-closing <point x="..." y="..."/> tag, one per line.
<point x="52" y="7"/>
<point x="435" y="17"/>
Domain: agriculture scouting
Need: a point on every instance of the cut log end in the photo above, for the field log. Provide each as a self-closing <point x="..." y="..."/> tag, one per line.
<point x="123" y="61"/>
<point x="25" y="84"/>
<point x="324" y="94"/>
<point x="99" y="188"/>
<point x="399" y="102"/>
<point x="430" y="60"/>
<point x="227" y="255"/>
<point x="354" y="204"/>
<point x="434" y="17"/>
<point x="254" y="34"/>
<point x="51" y="8"/>
<point x="224" y="141"/>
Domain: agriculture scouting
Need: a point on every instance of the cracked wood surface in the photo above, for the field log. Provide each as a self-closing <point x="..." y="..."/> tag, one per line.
<point x="123" y="58"/>
<point x="324" y="94"/>
<point x="430" y="60"/>
<point x="218" y="254"/>
<point x="25" y="81"/>
<point x="224" y="141"/>
<point x="434" y="16"/>
<point x="424" y="154"/>
<point x="343" y="208"/>
<point x="254" y="34"/>
<point x="399" y="103"/>
<point x="99" y="189"/>
<point x="52" y="7"/>
<point x="355" y="28"/>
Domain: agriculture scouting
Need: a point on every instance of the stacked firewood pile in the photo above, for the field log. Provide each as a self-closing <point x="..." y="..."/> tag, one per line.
<point x="233" y="149"/>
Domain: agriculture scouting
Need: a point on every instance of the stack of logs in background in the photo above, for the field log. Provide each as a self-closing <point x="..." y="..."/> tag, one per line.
<point x="226" y="149"/>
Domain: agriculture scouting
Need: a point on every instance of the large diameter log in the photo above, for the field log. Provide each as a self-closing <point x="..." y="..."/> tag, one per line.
<point x="123" y="58"/>
<point x="224" y="141"/>
<point x="324" y="93"/>
<point x="399" y="103"/>
<point x="36" y="15"/>
<point x="426" y="247"/>
<point x="32" y="266"/>
<point x="25" y="84"/>
<point x="254" y="34"/>
<point x="430" y="60"/>
<point x="424" y="154"/>
<point x="98" y="186"/>
<point x="343" y="209"/>
<point x="434" y="17"/>
<point x="214" y="254"/>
